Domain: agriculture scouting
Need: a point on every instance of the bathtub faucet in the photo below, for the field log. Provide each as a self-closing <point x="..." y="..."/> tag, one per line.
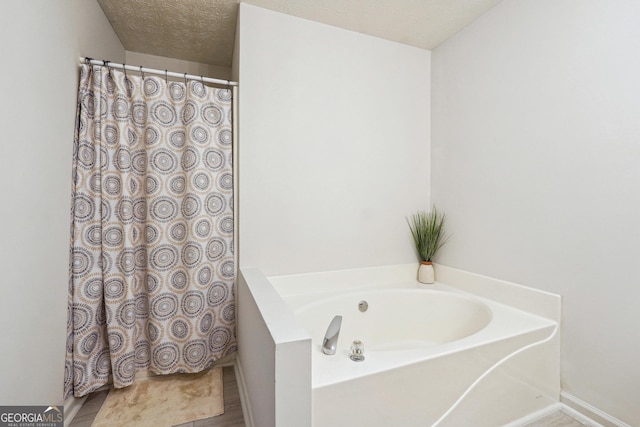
<point x="330" y="342"/>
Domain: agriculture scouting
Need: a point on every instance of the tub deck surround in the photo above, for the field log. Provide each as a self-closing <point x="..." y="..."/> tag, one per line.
<point x="425" y="324"/>
<point x="275" y="361"/>
<point x="296" y="289"/>
<point x="469" y="350"/>
<point x="535" y="301"/>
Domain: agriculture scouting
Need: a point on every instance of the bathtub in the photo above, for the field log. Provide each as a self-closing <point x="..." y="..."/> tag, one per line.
<point x="436" y="355"/>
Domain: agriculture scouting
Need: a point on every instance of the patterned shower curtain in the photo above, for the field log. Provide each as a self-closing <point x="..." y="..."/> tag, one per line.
<point x="151" y="267"/>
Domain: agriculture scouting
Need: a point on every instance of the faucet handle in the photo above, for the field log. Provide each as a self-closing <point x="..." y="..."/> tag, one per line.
<point x="357" y="351"/>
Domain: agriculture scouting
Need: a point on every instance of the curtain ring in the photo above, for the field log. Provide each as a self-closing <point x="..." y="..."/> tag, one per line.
<point x="141" y="72"/>
<point x="124" y="68"/>
<point x="166" y="76"/>
<point x="106" y="64"/>
<point x="185" y="79"/>
<point x="87" y="60"/>
<point x="202" y="80"/>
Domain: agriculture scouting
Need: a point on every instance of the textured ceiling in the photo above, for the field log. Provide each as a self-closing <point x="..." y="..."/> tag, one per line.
<point x="203" y="30"/>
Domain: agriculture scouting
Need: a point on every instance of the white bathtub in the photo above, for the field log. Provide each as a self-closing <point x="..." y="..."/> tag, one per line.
<point x="433" y="356"/>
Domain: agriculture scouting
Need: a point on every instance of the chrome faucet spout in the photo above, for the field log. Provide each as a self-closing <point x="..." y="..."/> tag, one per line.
<point x="330" y="342"/>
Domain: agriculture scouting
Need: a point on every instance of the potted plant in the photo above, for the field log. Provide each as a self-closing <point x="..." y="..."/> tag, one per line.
<point x="427" y="229"/>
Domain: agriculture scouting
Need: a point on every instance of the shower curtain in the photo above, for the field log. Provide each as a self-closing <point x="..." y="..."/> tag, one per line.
<point x="151" y="275"/>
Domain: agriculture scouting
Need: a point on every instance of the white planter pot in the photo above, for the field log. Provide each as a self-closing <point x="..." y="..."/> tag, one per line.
<point x="426" y="273"/>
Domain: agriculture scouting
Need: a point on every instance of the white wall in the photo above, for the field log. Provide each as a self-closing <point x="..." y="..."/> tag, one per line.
<point x="535" y="158"/>
<point x="95" y="37"/>
<point x="177" y="65"/>
<point x="41" y="45"/>
<point x="334" y="145"/>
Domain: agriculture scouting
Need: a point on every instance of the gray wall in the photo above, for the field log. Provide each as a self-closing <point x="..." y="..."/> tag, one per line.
<point x="41" y="45"/>
<point x="535" y="158"/>
<point x="334" y="145"/>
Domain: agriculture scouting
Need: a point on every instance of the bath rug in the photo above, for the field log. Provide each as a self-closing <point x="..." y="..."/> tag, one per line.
<point x="164" y="401"/>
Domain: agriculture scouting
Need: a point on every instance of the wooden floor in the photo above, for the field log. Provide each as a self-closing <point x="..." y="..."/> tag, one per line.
<point x="232" y="416"/>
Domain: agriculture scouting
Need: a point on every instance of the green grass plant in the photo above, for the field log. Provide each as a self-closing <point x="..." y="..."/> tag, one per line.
<point x="427" y="229"/>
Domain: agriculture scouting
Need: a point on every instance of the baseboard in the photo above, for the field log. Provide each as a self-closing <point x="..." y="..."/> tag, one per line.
<point x="71" y="407"/>
<point x="535" y="416"/>
<point x="577" y="409"/>
<point x="242" y="391"/>
<point x="588" y="414"/>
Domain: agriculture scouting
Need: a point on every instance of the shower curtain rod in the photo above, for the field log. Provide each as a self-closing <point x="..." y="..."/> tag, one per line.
<point x="160" y="72"/>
